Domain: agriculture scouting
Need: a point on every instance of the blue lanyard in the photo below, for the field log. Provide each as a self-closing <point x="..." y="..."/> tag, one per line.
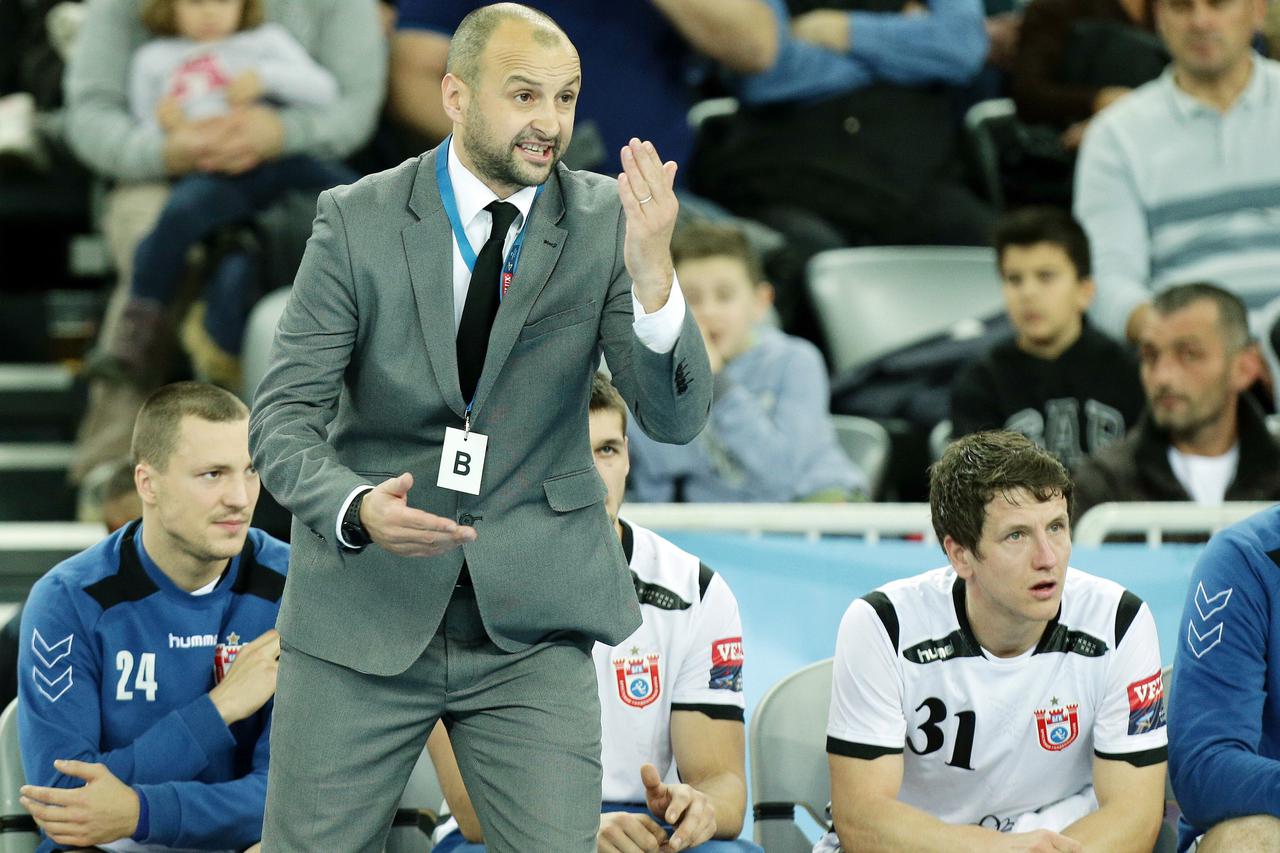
<point x="459" y="233"/>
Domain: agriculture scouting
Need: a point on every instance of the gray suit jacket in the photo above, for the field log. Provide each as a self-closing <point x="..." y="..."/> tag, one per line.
<point x="363" y="380"/>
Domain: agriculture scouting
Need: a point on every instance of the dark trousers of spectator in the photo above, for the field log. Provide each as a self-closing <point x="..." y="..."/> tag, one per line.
<point x="199" y="205"/>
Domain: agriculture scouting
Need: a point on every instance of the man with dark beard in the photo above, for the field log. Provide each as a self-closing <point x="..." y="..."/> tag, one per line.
<point x="1201" y="438"/>
<point x="424" y="417"/>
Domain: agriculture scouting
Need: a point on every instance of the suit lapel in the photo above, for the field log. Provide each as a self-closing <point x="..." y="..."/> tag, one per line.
<point x="543" y="242"/>
<point x="428" y="245"/>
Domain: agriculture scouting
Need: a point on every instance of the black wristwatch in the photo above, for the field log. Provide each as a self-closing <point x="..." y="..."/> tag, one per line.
<point x="352" y="530"/>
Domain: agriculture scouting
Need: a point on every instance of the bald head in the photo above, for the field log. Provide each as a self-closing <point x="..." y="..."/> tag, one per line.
<point x="473" y="33"/>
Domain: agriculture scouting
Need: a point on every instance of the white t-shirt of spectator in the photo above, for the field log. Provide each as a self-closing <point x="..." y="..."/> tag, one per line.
<point x="685" y="656"/>
<point x="1205" y="478"/>
<point x="991" y="741"/>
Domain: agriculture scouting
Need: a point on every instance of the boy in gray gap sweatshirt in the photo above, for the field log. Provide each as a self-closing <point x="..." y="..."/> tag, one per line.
<point x="770" y="436"/>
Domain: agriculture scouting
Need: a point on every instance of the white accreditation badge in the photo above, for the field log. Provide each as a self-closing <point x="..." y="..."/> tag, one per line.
<point x="462" y="460"/>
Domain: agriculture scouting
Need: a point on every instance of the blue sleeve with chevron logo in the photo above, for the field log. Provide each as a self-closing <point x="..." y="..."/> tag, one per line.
<point x="1224" y="704"/>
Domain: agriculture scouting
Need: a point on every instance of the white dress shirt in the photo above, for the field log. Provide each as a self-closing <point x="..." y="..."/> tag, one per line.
<point x="658" y="330"/>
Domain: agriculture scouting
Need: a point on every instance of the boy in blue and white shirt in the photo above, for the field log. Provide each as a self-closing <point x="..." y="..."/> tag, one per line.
<point x="148" y="662"/>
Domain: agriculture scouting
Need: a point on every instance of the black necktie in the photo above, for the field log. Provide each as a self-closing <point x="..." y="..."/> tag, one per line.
<point x="482" y="300"/>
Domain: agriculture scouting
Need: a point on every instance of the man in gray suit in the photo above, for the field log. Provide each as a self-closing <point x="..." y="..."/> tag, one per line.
<point x="451" y="548"/>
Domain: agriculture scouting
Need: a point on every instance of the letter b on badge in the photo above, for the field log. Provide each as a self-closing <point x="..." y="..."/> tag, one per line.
<point x="462" y="461"/>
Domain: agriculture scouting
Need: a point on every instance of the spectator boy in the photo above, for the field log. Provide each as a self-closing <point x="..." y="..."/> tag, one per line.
<point x="1060" y="382"/>
<point x="770" y="436"/>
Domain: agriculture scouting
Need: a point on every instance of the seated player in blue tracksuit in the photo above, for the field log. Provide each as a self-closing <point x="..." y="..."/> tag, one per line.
<point x="1224" y="706"/>
<point x="148" y="662"/>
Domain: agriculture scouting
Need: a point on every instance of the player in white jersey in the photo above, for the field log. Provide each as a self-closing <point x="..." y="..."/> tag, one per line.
<point x="670" y="694"/>
<point x="1006" y="701"/>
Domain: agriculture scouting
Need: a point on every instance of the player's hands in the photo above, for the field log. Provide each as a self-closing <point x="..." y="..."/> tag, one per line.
<point x="626" y="832"/>
<point x="1040" y="841"/>
<point x="244" y="89"/>
<point x="647" y="190"/>
<point x="394" y="525"/>
<point x="103" y="809"/>
<point x="686" y="808"/>
<point x="250" y="681"/>
<point x="827" y="28"/>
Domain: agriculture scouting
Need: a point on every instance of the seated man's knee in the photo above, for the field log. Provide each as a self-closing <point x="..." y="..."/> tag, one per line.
<point x="1252" y="834"/>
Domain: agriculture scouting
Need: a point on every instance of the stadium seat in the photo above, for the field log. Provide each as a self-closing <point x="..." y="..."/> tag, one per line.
<point x="984" y="150"/>
<point x="259" y="331"/>
<point x="873" y="300"/>
<point x="18" y="832"/>
<point x="1156" y="519"/>
<point x="789" y="758"/>
<point x="866" y="443"/>
<point x="939" y="437"/>
<point x="29" y="549"/>
<point x="38" y="402"/>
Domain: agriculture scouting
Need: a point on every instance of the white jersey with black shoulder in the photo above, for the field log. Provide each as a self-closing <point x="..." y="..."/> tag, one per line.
<point x="685" y="656"/>
<point x="984" y="739"/>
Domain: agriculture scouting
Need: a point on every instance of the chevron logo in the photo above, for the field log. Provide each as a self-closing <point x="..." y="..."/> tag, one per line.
<point x="54" y="691"/>
<point x="50" y="654"/>
<point x="1207" y="605"/>
<point x="1200" y="644"/>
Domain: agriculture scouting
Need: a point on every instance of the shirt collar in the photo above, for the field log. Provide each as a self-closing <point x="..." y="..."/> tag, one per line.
<point x="1254" y="94"/>
<point x="472" y="196"/>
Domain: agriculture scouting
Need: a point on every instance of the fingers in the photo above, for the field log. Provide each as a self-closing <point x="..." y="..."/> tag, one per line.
<point x="649" y="776"/>
<point x="34" y="795"/>
<point x="398" y="486"/>
<point x="79" y="769"/>
<point x="624" y="832"/>
<point x="681" y="798"/>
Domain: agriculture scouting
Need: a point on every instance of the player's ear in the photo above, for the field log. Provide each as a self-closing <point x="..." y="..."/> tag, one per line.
<point x="961" y="557"/>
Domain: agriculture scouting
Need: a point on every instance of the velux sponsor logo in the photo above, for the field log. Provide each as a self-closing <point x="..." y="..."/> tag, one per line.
<point x="726" y="651"/>
<point x="193" y="641"/>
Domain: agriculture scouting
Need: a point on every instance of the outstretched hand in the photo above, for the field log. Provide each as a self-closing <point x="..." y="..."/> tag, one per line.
<point x="647" y="190"/>
<point x="394" y="525"/>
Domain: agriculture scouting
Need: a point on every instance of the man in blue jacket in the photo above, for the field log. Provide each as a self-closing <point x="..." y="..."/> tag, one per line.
<point x="148" y="662"/>
<point x="1224" y="706"/>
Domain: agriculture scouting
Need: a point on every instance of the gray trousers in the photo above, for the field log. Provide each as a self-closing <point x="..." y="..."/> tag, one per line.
<point x="525" y="728"/>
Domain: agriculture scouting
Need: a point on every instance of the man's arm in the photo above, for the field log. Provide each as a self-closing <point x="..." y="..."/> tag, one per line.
<point x="1130" y="808"/>
<point x="1109" y="209"/>
<point x="351" y="47"/>
<point x="450" y="778"/>
<point x="100" y="128"/>
<point x="946" y="44"/>
<point x="418" y="58"/>
<point x="1222" y="679"/>
<point x="667" y="388"/>
<point x="740" y="34"/>
<point x="870" y="819"/>
<point x="711" y="756"/>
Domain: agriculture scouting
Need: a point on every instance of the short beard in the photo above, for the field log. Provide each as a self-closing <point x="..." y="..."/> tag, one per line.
<point x="501" y="165"/>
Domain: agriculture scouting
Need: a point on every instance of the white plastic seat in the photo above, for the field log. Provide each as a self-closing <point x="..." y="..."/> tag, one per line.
<point x="866" y="443"/>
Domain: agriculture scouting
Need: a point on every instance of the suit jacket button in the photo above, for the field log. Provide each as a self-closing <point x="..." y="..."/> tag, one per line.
<point x="467" y="519"/>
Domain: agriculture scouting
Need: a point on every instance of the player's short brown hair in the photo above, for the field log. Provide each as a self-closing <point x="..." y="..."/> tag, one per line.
<point x="605" y="398"/>
<point x="976" y="468"/>
<point x="159" y="422"/>
<point x="159" y="17"/>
